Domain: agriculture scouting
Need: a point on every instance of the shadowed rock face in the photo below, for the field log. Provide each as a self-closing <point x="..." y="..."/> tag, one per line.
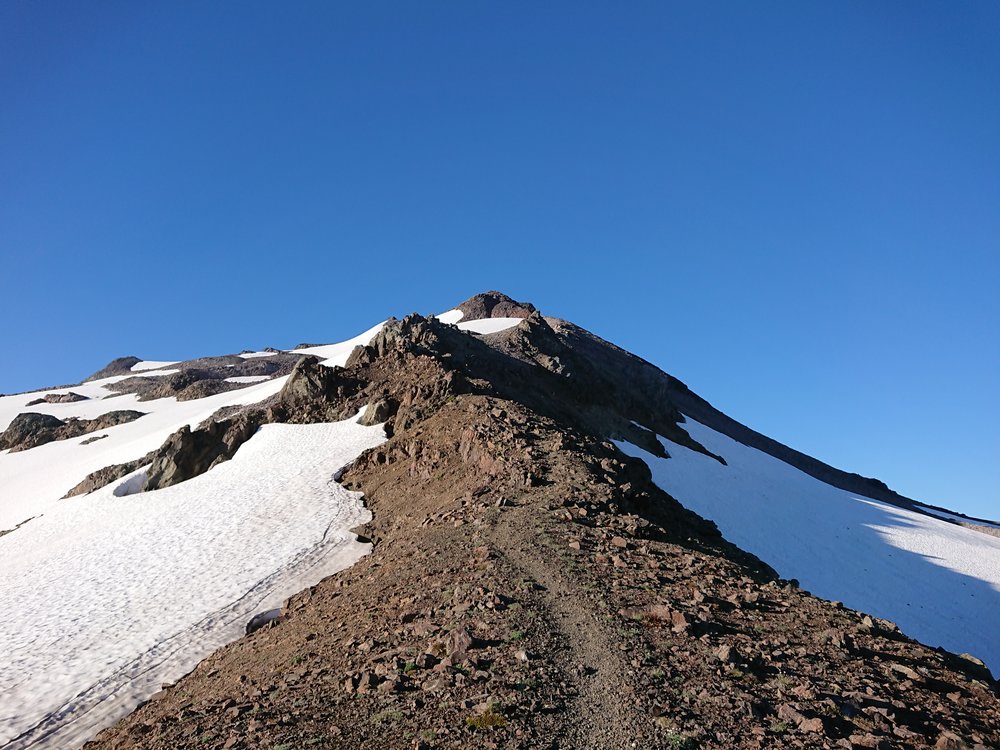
<point x="29" y="430"/>
<point x="188" y="453"/>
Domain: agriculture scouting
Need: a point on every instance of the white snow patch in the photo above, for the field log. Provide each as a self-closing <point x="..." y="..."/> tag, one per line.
<point x="149" y="364"/>
<point x="451" y="316"/>
<point x="254" y="355"/>
<point x="248" y="378"/>
<point x="939" y="582"/>
<point x="107" y="597"/>
<point x="489" y="325"/>
<point x="335" y="355"/>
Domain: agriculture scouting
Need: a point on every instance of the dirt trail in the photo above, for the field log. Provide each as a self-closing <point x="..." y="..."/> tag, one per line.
<point x="605" y="704"/>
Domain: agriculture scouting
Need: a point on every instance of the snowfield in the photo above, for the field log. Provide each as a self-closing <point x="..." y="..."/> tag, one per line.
<point x="33" y="481"/>
<point x="107" y="597"/>
<point x="938" y="581"/>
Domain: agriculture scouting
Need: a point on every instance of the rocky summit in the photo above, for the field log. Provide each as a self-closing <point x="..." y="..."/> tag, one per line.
<point x="529" y="584"/>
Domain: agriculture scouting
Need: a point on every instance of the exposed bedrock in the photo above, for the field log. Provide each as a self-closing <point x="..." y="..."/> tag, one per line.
<point x="57" y="398"/>
<point x="30" y="429"/>
<point x="188" y="453"/>
<point x="494" y="305"/>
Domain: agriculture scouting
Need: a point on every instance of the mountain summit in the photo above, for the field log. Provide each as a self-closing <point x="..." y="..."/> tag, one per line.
<point x="485" y="528"/>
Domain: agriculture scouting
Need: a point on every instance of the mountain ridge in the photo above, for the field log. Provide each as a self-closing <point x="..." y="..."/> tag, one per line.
<point x="531" y="585"/>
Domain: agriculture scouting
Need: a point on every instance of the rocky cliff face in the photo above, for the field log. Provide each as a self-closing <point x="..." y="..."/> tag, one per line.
<point x="530" y="587"/>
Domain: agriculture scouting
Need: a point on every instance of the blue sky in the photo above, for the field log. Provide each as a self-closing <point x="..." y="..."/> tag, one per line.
<point x="793" y="207"/>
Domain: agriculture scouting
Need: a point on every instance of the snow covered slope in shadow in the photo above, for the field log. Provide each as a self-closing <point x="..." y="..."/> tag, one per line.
<point x="108" y="597"/>
<point x="938" y="581"/>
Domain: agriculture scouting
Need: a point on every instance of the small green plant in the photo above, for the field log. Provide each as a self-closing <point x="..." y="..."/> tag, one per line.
<point x="428" y="734"/>
<point x="517" y="635"/>
<point x="779" y="727"/>
<point x="658" y="674"/>
<point x="298" y="659"/>
<point x="284" y="746"/>
<point x="410" y="667"/>
<point x="491" y="718"/>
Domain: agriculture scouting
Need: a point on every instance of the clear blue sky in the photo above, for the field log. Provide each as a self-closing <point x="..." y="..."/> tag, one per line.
<point x="794" y="207"/>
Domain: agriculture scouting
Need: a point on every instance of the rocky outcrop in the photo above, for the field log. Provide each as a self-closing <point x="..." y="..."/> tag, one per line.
<point x="103" y="477"/>
<point x="120" y="366"/>
<point x="30" y="429"/>
<point x="57" y="398"/>
<point x="494" y="305"/>
<point x="188" y="453"/>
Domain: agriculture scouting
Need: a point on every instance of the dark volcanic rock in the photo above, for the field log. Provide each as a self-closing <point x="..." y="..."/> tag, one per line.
<point x="57" y="398"/>
<point x="188" y="453"/>
<point x="97" y="479"/>
<point x="120" y="366"/>
<point x="494" y="305"/>
<point x="29" y="430"/>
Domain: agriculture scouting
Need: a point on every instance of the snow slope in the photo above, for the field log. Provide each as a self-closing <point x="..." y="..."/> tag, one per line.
<point x="33" y="481"/>
<point x="489" y="325"/>
<point x="938" y="581"/>
<point x="337" y="354"/>
<point x="107" y="597"/>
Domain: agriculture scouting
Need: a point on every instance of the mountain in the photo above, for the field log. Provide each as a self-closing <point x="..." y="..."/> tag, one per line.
<point x="558" y="545"/>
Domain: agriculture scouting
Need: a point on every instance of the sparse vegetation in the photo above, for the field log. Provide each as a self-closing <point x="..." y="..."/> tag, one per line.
<point x="491" y="718"/>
